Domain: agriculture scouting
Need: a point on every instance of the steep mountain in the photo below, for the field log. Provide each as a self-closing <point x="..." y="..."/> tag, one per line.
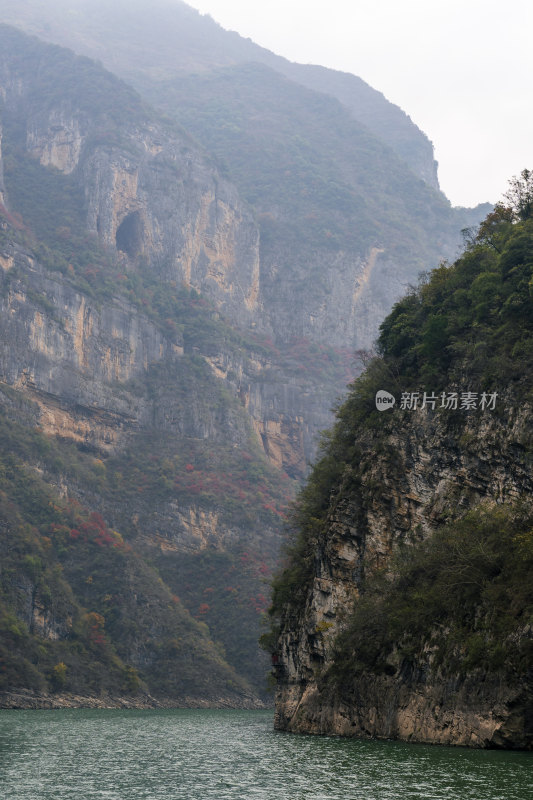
<point x="405" y="607"/>
<point x="336" y="180"/>
<point x="345" y="226"/>
<point x="157" y="433"/>
<point x="139" y="42"/>
<point x="172" y="341"/>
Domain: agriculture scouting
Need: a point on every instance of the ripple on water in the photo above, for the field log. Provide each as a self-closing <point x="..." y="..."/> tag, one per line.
<point x="232" y="755"/>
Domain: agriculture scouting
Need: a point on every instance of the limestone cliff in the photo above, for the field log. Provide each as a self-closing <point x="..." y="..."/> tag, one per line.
<point x="416" y="480"/>
<point x="130" y="341"/>
<point x="148" y="190"/>
<point x="138" y="406"/>
<point x="151" y="197"/>
<point x="405" y="607"/>
<point x="81" y="362"/>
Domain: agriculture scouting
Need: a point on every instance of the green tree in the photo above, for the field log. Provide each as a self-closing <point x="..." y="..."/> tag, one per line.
<point x="59" y="676"/>
<point x="520" y="195"/>
<point x="495" y="228"/>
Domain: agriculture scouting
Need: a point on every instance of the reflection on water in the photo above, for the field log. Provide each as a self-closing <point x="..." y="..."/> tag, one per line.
<point x="200" y="754"/>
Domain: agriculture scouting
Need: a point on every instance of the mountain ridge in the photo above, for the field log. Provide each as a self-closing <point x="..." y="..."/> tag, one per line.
<point x="177" y="36"/>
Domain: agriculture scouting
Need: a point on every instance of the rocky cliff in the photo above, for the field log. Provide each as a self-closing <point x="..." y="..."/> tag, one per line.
<point x="81" y="361"/>
<point x="403" y="611"/>
<point x="148" y="191"/>
<point x="151" y="197"/>
<point x="132" y="341"/>
<point x="426" y="470"/>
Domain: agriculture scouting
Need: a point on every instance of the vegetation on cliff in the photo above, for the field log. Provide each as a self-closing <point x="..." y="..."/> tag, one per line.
<point x="80" y="610"/>
<point x="69" y="508"/>
<point x="464" y="593"/>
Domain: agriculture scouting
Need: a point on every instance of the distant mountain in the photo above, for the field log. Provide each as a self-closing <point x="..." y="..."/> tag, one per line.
<point x="137" y="40"/>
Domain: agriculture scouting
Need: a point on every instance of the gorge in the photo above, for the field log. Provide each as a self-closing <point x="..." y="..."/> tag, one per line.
<point x="190" y="269"/>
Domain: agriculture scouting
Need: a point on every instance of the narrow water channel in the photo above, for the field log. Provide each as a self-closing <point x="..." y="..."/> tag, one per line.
<point x="202" y="754"/>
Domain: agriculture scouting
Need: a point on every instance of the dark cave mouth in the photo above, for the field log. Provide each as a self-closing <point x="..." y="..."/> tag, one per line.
<point x="129" y="235"/>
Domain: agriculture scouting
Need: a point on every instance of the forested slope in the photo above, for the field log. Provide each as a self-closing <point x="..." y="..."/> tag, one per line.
<point x="405" y="608"/>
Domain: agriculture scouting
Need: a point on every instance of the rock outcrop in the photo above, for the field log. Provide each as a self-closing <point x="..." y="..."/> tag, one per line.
<point x="149" y="192"/>
<point x="466" y="713"/>
<point x="418" y="472"/>
<point x="152" y="197"/>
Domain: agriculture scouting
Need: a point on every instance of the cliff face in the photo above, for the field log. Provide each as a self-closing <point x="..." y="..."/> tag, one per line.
<point x="152" y="198"/>
<point x="81" y="361"/>
<point x="427" y="469"/>
<point x="68" y="354"/>
<point x="106" y="378"/>
<point x="176" y="212"/>
<point x="345" y="305"/>
<point x="404" y="609"/>
<point x="131" y="340"/>
<point x="148" y="192"/>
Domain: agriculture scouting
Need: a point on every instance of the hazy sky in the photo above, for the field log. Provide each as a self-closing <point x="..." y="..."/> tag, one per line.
<point x="461" y="69"/>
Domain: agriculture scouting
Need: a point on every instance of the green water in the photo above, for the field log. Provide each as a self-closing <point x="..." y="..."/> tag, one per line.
<point x="197" y="755"/>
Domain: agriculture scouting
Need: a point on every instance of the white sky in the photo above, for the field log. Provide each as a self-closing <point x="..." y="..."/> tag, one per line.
<point x="461" y="69"/>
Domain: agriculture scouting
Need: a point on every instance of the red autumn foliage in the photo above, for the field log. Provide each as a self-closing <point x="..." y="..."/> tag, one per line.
<point x="95" y="629"/>
<point x="95" y="531"/>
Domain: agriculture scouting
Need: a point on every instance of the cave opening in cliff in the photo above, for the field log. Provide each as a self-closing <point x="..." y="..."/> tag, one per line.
<point x="129" y="235"/>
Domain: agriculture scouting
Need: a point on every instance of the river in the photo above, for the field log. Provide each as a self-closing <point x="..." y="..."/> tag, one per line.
<point x="77" y="754"/>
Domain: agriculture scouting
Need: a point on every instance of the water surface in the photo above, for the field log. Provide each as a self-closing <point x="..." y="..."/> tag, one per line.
<point x="79" y="754"/>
